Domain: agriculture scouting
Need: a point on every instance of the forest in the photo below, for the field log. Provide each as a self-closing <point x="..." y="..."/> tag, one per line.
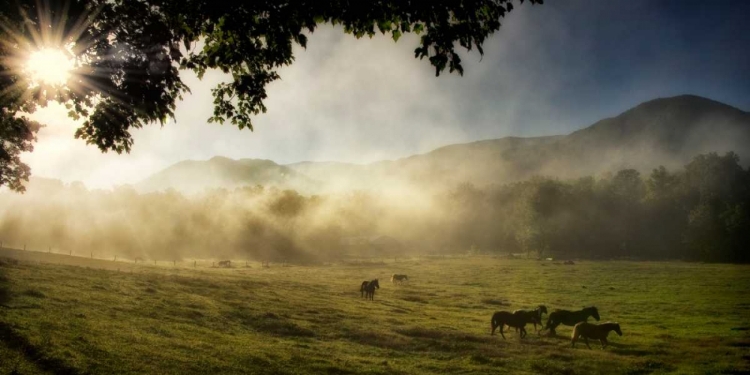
<point x="698" y="213"/>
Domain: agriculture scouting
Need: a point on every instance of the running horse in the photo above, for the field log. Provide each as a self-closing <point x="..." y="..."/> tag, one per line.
<point x="503" y="318"/>
<point x="594" y="331"/>
<point x="396" y="278"/>
<point x="533" y="316"/>
<point x="367" y="289"/>
<point x="570" y="318"/>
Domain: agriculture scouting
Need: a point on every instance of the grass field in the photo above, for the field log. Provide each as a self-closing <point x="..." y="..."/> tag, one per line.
<point x="115" y="317"/>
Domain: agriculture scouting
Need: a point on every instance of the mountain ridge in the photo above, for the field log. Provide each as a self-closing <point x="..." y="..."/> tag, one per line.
<point x="664" y="131"/>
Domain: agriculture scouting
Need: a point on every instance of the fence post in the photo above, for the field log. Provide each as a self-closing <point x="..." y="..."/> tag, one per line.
<point x="195" y="263"/>
<point x="24" y="247"/>
<point x="115" y="258"/>
<point x="92" y="255"/>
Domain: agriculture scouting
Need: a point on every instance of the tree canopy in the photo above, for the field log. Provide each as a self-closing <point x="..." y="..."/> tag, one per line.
<point x="129" y="54"/>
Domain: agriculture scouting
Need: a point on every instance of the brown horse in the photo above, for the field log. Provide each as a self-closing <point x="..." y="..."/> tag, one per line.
<point x="503" y="318"/>
<point x="367" y="289"/>
<point x="570" y="318"/>
<point x="533" y="316"/>
<point x="594" y="332"/>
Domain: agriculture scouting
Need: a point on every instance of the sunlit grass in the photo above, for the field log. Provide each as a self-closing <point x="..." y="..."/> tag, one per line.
<point x="158" y="319"/>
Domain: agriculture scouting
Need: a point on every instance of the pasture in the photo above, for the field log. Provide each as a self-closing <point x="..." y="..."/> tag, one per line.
<point x="115" y="317"/>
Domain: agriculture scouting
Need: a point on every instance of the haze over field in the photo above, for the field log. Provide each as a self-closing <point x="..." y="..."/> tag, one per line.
<point x="664" y="180"/>
<point x="345" y="187"/>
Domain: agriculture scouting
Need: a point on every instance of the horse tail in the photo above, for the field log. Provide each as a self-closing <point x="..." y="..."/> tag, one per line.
<point x="549" y="321"/>
<point x="493" y="324"/>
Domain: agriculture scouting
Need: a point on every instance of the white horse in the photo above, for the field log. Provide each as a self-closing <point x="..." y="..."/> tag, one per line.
<point x="396" y="278"/>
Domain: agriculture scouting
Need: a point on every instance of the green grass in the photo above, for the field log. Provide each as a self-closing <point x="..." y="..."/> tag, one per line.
<point x="92" y="318"/>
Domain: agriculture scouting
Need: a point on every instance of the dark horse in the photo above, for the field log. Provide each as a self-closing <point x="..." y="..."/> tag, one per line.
<point x="570" y="318"/>
<point x="533" y="316"/>
<point x="502" y="318"/>
<point x="368" y="289"/>
<point x="593" y="331"/>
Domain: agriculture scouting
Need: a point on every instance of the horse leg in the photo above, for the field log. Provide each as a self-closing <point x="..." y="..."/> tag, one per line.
<point x="523" y="332"/>
<point x="551" y="325"/>
<point x="586" y="340"/>
<point x="604" y="342"/>
<point x="573" y="340"/>
<point x="501" y="330"/>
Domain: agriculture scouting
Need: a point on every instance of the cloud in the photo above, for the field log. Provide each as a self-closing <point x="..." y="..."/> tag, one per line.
<point x="551" y="69"/>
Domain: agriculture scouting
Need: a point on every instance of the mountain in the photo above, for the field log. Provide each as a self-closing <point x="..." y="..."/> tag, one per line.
<point x="666" y="131"/>
<point x="219" y="172"/>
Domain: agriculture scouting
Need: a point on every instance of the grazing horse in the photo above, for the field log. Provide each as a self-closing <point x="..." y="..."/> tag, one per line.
<point x="570" y="318"/>
<point x="594" y="332"/>
<point x="368" y="289"/>
<point x="533" y="316"/>
<point x="225" y="263"/>
<point x="396" y="278"/>
<point x="502" y="318"/>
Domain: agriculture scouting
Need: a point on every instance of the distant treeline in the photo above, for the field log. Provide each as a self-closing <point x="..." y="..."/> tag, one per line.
<point x="699" y="213"/>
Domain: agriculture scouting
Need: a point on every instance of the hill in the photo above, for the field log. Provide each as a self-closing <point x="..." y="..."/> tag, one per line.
<point x="666" y="131"/>
<point x="219" y="172"/>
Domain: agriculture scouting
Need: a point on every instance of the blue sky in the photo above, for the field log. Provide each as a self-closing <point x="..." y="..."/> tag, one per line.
<point x="551" y="69"/>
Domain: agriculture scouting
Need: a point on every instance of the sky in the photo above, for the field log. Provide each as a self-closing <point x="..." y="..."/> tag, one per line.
<point x="551" y="69"/>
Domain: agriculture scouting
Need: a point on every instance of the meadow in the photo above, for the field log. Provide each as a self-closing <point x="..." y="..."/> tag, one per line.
<point x="69" y="315"/>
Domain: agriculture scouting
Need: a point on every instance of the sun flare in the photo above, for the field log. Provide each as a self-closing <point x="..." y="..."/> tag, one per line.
<point x="51" y="66"/>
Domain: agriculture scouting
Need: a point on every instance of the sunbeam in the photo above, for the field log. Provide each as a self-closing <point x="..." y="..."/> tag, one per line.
<point x="50" y="66"/>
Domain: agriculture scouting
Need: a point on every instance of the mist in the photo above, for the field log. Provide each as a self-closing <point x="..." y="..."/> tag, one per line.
<point x="609" y="215"/>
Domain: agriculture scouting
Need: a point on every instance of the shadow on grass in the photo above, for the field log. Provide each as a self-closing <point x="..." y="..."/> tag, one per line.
<point x="18" y="343"/>
<point x="495" y="302"/>
<point x="4" y="292"/>
<point x="648" y="367"/>
<point x="544" y="366"/>
<point x="740" y="344"/>
<point x="272" y="324"/>
<point x="377" y="339"/>
<point x="633" y="351"/>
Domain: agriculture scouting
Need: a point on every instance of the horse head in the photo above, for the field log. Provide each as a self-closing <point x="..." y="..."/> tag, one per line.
<point x="542" y="310"/>
<point x="593" y="312"/>
<point x="617" y="329"/>
<point x="376" y="283"/>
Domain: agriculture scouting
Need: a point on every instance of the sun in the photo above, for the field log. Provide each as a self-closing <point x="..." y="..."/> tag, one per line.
<point x="50" y="66"/>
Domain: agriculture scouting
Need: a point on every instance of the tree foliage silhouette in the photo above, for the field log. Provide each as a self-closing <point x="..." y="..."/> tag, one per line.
<point x="131" y="52"/>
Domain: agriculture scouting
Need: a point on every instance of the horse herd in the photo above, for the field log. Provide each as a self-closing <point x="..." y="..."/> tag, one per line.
<point x="518" y="319"/>
<point x="577" y="319"/>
